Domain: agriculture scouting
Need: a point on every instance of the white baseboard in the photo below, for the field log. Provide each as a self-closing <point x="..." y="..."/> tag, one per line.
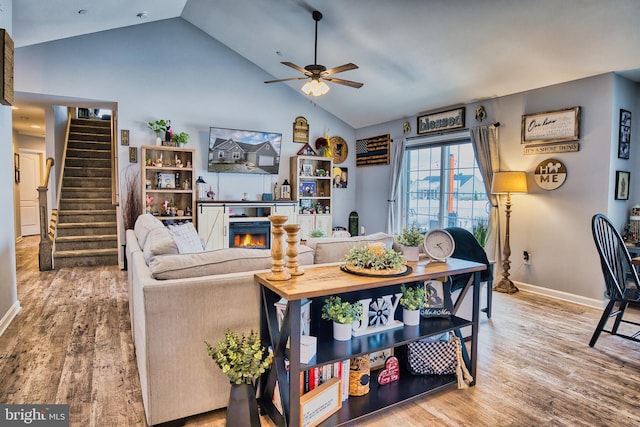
<point x="564" y="296"/>
<point x="9" y="316"/>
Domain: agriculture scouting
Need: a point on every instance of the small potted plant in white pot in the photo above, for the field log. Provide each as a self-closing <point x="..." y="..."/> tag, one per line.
<point x="159" y="127"/>
<point x="412" y="301"/>
<point x="343" y="314"/>
<point x="410" y="240"/>
<point x="243" y="360"/>
<point x="181" y="138"/>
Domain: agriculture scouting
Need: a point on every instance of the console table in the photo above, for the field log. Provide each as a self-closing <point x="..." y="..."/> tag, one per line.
<point x="320" y="282"/>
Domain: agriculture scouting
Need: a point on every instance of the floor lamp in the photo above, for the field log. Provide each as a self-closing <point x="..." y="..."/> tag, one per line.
<point x="507" y="183"/>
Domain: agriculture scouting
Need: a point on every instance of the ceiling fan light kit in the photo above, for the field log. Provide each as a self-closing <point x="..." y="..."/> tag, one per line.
<point x="318" y="73"/>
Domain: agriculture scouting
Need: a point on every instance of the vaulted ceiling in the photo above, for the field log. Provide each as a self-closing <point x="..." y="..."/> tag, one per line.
<point x="413" y="55"/>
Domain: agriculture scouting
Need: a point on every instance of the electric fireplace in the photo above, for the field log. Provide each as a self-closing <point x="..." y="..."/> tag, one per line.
<point x="250" y="234"/>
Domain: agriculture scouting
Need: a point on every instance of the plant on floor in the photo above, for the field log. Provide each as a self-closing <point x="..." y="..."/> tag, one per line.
<point x="481" y="231"/>
<point x="341" y="311"/>
<point x="411" y="236"/>
<point x="242" y="358"/>
<point x="132" y="203"/>
<point x="412" y="297"/>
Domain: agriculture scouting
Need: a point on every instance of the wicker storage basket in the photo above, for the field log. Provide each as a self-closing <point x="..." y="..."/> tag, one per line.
<point x="359" y="376"/>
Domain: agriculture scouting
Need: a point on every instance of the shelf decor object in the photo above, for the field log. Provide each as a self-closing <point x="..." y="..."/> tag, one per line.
<point x="278" y="271"/>
<point x="6" y="88"/>
<point x="507" y="183"/>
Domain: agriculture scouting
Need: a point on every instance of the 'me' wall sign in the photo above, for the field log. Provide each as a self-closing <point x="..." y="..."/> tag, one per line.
<point x="550" y="174"/>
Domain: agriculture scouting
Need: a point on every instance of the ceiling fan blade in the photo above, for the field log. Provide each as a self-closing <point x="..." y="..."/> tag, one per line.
<point x="344" y="82"/>
<point x="286" y="80"/>
<point x="297" y="67"/>
<point x="340" y="69"/>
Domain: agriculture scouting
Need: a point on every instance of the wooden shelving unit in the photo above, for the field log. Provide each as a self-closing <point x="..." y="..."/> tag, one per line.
<point x="319" y="282"/>
<point x="168" y="176"/>
<point x="311" y="187"/>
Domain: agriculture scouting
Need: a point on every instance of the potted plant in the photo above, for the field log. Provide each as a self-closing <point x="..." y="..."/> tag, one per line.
<point x="374" y="256"/>
<point x="410" y="240"/>
<point x="181" y="138"/>
<point x="159" y="127"/>
<point x="243" y="360"/>
<point x="412" y="301"/>
<point x="343" y="314"/>
<point x="481" y="231"/>
<point x="318" y="232"/>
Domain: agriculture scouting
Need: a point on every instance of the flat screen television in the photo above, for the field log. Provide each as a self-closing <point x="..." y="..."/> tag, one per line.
<point x="244" y="151"/>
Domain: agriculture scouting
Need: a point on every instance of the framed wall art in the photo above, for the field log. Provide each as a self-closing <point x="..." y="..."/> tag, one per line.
<point x="442" y="121"/>
<point x="624" y="136"/>
<point x="622" y="185"/>
<point x="301" y="130"/>
<point x="6" y="82"/>
<point x="551" y="126"/>
<point x="317" y="405"/>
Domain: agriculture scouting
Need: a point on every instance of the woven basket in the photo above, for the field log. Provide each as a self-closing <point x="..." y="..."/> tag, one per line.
<point x="359" y="376"/>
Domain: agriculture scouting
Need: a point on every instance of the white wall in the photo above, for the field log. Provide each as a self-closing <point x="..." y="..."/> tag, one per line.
<point x="9" y="305"/>
<point x="553" y="225"/>
<point x="172" y="70"/>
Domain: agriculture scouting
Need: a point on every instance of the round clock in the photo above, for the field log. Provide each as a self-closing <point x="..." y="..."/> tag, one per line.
<point x="339" y="149"/>
<point x="438" y="244"/>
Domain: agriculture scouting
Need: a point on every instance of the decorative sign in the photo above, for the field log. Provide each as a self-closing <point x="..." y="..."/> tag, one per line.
<point x="378" y="358"/>
<point x="551" y="126"/>
<point x="133" y="155"/>
<point x="553" y="148"/>
<point x="391" y="372"/>
<point x="437" y="299"/>
<point x="440" y="122"/>
<point x="301" y="130"/>
<point x="124" y="136"/>
<point x="317" y="405"/>
<point x="373" y="151"/>
<point x="339" y="148"/>
<point x="624" y="138"/>
<point x="6" y="83"/>
<point x="550" y="174"/>
<point x="379" y="315"/>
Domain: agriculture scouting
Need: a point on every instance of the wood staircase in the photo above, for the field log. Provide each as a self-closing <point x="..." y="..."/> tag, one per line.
<point x="86" y="231"/>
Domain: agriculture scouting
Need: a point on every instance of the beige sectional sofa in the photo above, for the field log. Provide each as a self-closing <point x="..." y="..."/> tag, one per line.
<point x="179" y="300"/>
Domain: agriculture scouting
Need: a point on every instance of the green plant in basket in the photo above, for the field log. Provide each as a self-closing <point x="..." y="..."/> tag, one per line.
<point x="375" y="257"/>
<point x="242" y="359"/>
<point x="412" y="297"/>
<point x="181" y="138"/>
<point x="412" y="236"/>
<point x="341" y="311"/>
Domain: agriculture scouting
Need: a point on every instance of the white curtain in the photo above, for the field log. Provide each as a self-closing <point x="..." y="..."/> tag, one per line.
<point x="485" y="147"/>
<point x="395" y="187"/>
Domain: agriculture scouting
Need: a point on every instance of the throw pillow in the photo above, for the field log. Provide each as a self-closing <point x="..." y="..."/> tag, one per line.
<point x="186" y="238"/>
<point x="144" y="224"/>
<point x="159" y="242"/>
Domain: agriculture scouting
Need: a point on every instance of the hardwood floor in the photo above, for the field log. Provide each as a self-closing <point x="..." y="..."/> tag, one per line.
<point x="71" y="344"/>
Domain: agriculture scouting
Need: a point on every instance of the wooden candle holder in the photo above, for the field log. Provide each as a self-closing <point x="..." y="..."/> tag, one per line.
<point x="277" y="267"/>
<point x="292" y="251"/>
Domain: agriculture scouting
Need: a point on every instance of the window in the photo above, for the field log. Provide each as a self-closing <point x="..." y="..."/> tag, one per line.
<point x="443" y="185"/>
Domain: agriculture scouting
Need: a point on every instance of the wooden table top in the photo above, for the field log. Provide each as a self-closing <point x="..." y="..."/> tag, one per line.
<point x="325" y="280"/>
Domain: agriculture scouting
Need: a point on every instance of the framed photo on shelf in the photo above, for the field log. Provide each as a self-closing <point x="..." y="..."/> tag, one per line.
<point x="624" y="136"/>
<point x="622" y="185"/>
<point x="307" y="189"/>
<point x="438" y="301"/>
<point x="307" y="169"/>
<point x="166" y="180"/>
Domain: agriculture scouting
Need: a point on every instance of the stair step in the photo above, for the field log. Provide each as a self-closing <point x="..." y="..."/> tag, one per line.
<point x="91" y="154"/>
<point x="86" y="204"/>
<point x="75" y="243"/>
<point x="89" y="128"/>
<point x="75" y="171"/>
<point x="77" y="121"/>
<point x="89" y="145"/>
<point x="83" y="193"/>
<point x="85" y="258"/>
<point x="80" y="216"/>
<point x="86" y="162"/>
<point x="86" y="229"/>
<point x="86" y="182"/>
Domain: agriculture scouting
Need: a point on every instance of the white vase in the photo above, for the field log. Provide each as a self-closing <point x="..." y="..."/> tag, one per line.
<point x="410" y="317"/>
<point x="158" y="141"/>
<point x="341" y="331"/>
<point x="411" y="253"/>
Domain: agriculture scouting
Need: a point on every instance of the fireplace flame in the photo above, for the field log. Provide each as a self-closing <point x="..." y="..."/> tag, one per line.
<point x="249" y="240"/>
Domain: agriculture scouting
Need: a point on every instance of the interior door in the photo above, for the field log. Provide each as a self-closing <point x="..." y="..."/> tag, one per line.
<point x="29" y="181"/>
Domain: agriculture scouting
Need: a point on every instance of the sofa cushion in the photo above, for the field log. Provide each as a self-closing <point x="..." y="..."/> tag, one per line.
<point x="159" y="242"/>
<point x="221" y="261"/>
<point x="186" y="238"/>
<point x="144" y="224"/>
<point x="329" y="249"/>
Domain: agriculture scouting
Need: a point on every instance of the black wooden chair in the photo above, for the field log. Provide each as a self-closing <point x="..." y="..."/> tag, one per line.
<point x="468" y="249"/>
<point x="620" y="277"/>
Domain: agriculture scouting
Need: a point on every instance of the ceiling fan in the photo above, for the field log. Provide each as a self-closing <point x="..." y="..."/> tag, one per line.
<point x="317" y="73"/>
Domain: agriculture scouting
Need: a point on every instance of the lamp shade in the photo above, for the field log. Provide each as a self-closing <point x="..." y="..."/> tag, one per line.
<point x="315" y="87"/>
<point x="509" y="182"/>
